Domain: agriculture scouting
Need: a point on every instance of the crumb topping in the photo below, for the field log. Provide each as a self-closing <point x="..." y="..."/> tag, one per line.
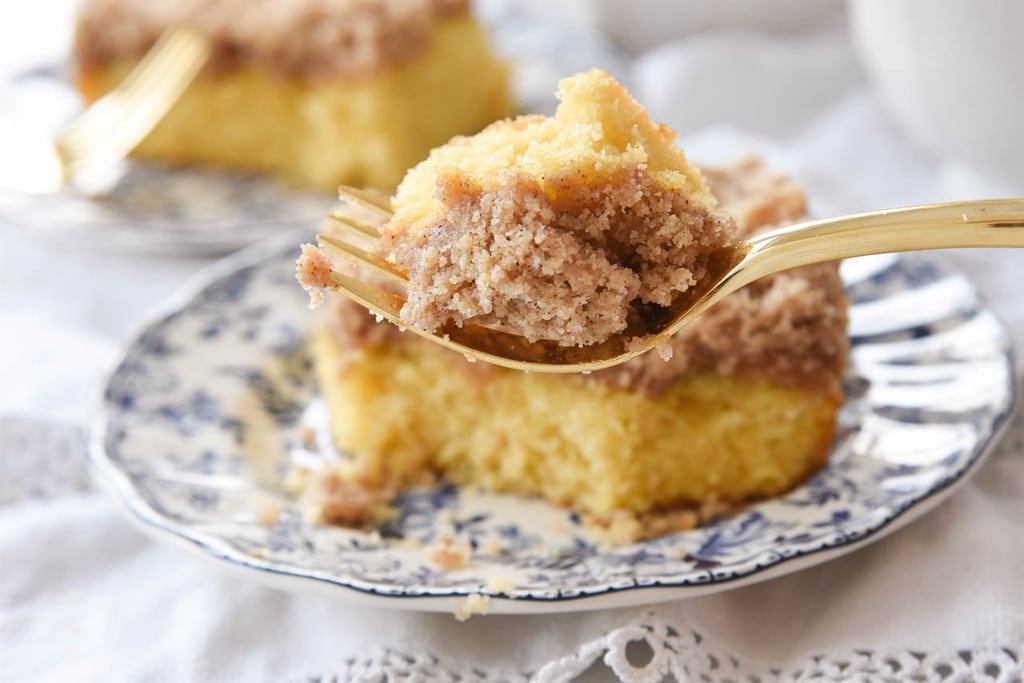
<point x="313" y="271"/>
<point x="756" y="196"/>
<point x="316" y="39"/>
<point x="331" y="498"/>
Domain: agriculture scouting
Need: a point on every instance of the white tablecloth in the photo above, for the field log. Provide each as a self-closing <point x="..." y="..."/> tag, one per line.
<point x="83" y="596"/>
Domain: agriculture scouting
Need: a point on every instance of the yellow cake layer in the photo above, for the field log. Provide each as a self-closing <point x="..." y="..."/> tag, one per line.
<point x="365" y="131"/>
<point x="406" y="407"/>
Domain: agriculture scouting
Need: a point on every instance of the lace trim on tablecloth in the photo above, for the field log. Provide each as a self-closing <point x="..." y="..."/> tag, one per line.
<point x="650" y="651"/>
<point x="654" y="650"/>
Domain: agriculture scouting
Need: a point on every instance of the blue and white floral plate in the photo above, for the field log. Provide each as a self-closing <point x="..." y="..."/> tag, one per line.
<point x="204" y="415"/>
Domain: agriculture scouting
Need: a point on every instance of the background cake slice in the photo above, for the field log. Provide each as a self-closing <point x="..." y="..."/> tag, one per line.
<point x="319" y="92"/>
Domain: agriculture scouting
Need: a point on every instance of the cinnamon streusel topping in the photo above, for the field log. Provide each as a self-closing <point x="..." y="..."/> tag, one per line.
<point x="314" y="40"/>
<point x="568" y="268"/>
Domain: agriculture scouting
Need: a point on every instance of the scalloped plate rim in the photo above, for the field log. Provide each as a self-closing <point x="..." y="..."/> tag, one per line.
<point x="281" y="578"/>
<point x="151" y="523"/>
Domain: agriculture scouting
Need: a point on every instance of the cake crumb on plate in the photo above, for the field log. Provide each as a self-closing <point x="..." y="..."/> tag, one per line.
<point x="447" y="554"/>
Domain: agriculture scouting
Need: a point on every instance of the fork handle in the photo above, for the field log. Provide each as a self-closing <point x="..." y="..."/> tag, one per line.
<point x="984" y="223"/>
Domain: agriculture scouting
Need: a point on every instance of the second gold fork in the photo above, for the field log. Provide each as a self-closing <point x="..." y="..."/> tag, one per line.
<point x="113" y="125"/>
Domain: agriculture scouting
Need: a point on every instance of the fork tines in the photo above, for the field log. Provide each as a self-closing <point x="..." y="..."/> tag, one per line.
<point x="378" y="301"/>
<point x="383" y="303"/>
<point x="119" y="120"/>
<point x="362" y="227"/>
<point x="376" y="203"/>
<point x="359" y="255"/>
<point x="368" y="199"/>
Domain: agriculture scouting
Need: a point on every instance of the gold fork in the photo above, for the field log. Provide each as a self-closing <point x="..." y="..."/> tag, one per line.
<point x="113" y="125"/>
<point x="986" y="223"/>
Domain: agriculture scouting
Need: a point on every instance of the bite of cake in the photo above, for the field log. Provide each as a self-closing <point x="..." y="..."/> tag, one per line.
<point x="555" y="228"/>
<point x="317" y="92"/>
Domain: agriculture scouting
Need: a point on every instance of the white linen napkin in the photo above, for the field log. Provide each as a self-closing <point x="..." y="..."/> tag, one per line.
<point x="84" y="596"/>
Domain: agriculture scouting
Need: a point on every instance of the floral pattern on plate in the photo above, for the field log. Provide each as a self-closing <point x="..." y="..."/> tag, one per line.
<point x="204" y="416"/>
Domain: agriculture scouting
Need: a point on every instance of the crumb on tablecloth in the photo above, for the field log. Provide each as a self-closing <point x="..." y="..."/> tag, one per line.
<point x="475" y="603"/>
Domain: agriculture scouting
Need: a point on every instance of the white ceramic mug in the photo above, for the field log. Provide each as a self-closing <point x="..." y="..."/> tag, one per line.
<point x="952" y="72"/>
